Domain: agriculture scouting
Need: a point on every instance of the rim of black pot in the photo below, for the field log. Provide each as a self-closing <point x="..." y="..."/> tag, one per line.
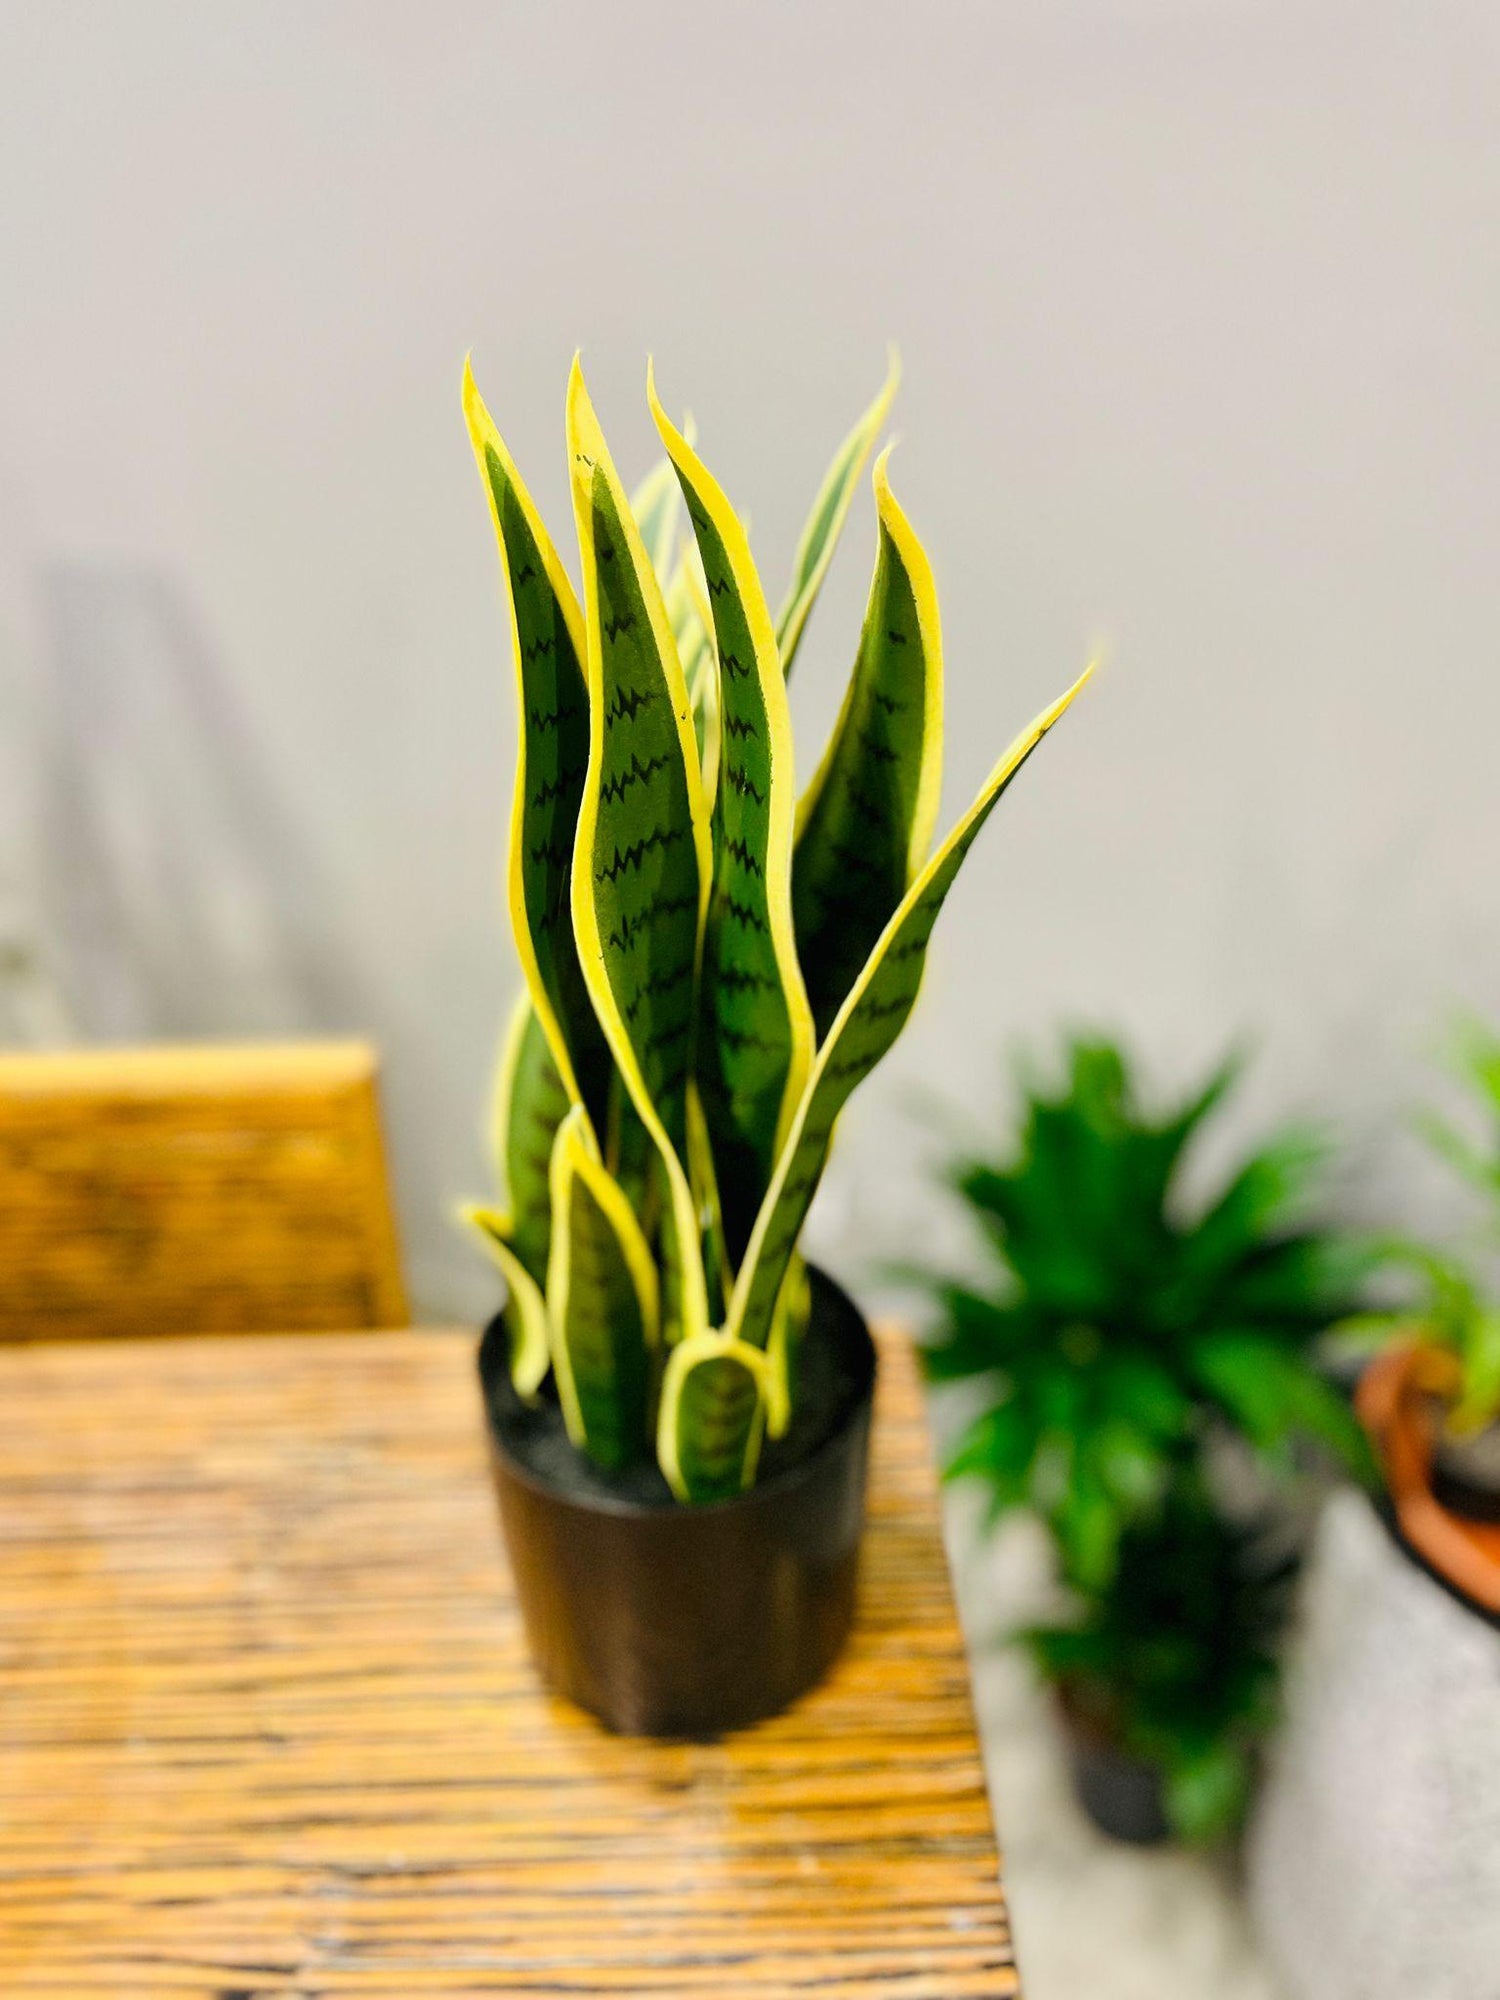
<point x="618" y="1504"/>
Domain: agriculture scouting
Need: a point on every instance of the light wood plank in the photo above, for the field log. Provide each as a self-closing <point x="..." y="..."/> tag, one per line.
<point x="267" y="1726"/>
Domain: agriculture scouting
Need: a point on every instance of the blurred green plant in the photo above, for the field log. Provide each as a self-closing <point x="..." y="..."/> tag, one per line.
<point x="1124" y="1322"/>
<point x="1126" y="1331"/>
<point x="1175" y="1660"/>
<point x="1455" y="1305"/>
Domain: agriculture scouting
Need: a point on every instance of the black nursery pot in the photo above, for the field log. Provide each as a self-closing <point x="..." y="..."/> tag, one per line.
<point x="1123" y="1795"/>
<point x="672" y="1620"/>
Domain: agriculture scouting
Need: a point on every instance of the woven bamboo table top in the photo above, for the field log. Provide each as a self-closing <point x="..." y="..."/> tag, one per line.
<point x="268" y="1728"/>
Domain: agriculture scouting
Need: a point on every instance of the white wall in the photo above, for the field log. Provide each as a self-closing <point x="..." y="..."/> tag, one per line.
<point x="1200" y="310"/>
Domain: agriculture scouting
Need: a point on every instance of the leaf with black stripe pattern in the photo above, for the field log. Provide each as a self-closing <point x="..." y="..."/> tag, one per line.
<point x="712" y="1417"/>
<point x="547" y="640"/>
<point x="871" y="1018"/>
<point x="755" y="1041"/>
<point x="825" y="523"/>
<point x="642" y="859"/>
<point x="602" y="1305"/>
<point x="865" y="823"/>
<point x="531" y="1101"/>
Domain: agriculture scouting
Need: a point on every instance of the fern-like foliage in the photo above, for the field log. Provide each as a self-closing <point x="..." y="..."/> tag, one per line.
<point x="712" y="965"/>
<point x="1123" y="1320"/>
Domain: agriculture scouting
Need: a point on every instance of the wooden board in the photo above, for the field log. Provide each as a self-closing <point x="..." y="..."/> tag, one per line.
<point x="267" y="1727"/>
<point x="196" y="1189"/>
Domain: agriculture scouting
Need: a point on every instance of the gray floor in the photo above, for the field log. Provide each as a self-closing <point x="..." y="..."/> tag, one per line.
<point x="1093" y="1920"/>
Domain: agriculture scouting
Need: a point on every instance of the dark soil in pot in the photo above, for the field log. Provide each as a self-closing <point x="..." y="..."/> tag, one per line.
<point x="1122" y="1794"/>
<point x="1465" y="1470"/>
<point x="668" y="1620"/>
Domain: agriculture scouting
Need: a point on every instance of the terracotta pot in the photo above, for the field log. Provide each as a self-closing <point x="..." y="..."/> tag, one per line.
<point x="1396" y="1402"/>
<point x="689" y="1621"/>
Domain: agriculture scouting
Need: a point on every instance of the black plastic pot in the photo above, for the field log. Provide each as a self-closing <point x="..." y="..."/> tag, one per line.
<point x="1122" y="1795"/>
<point x="670" y="1620"/>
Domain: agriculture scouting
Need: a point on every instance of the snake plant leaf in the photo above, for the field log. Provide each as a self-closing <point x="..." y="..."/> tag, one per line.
<point x="642" y="860"/>
<point x="692" y="626"/>
<point x="784" y="1346"/>
<point x="704" y="1180"/>
<point x="526" y="1308"/>
<point x="871" y="1018"/>
<point x="656" y="504"/>
<point x="865" y="823"/>
<point x="547" y="640"/>
<point x="712" y="1416"/>
<point x="531" y="1101"/>
<point x="602" y="1304"/>
<point x="824" y="524"/>
<point x="755" y="1047"/>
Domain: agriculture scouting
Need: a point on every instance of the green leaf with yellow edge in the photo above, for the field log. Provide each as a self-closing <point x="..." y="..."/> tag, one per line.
<point x="525" y="1309"/>
<point x="656" y="505"/>
<point x="642" y="860"/>
<point x="547" y="641"/>
<point x="869" y="1021"/>
<point x="704" y="1180"/>
<point x="825" y="523"/>
<point x="712" y="1416"/>
<point x="755" y="1046"/>
<point x="784" y="1347"/>
<point x="530" y="1102"/>
<point x="865" y="823"/>
<point x="602" y="1304"/>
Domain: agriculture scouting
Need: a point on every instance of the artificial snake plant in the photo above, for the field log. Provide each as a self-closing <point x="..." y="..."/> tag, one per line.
<point x="711" y="964"/>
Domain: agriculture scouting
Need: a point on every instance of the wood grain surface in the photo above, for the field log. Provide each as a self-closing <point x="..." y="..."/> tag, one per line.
<point x="197" y="1189"/>
<point x="267" y="1725"/>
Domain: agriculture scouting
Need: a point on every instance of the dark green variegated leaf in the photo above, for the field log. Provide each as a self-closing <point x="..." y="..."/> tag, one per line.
<point x="704" y="1180"/>
<point x="642" y="858"/>
<point x="547" y="637"/>
<point x="784" y="1347"/>
<point x="531" y="1101"/>
<point x="755" y="1046"/>
<point x="712" y="1416"/>
<point x="865" y="824"/>
<point x="868" y="1023"/>
<point x="602" y="1305"/>
<point x="830" y="509"/>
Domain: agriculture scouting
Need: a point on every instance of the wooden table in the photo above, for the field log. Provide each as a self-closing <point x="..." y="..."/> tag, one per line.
<point x="267" y="1725"/>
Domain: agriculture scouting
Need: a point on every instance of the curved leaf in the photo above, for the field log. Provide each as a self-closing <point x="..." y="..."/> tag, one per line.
<point x="824" y="524"/>
<point x="531" y="1101"/>
<point x="713" y="1403"/>
<point x="869" y="1021"/>
<point x="642" y="859"/>
<point x="865" y="823"/>
<point x="655" y="505"/>
<point x="547" y="641"/>
<point x="756" y="1047"/>
<point x="602" y="1305"/>
<point x="526" y="1309"/>
<point x="784" y="1347"/>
